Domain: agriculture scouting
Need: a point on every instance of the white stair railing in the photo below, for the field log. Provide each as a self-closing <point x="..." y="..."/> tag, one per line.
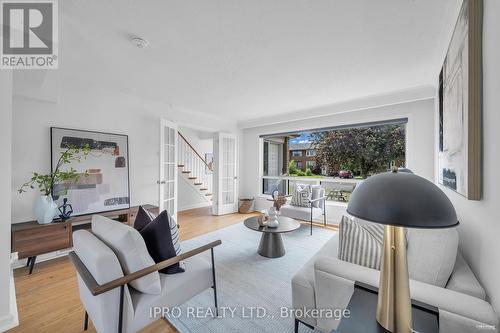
<point x="192" y="165"/>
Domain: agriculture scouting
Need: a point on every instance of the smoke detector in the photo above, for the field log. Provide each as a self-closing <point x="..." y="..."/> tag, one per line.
<point x="139" y="42"/>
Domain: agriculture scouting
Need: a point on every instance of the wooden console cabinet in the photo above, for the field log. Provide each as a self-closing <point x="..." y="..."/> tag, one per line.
<point x="30" y="239"/>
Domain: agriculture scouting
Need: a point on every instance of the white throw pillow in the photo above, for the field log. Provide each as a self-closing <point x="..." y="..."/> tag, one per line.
<point x="301" y="195"/>
<point x="129" y="247"/>
<point x="317" y="192"/>
<point x="432" y="254"/>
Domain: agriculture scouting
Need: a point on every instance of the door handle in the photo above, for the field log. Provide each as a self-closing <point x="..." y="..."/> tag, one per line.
<point x="160" y="182"/>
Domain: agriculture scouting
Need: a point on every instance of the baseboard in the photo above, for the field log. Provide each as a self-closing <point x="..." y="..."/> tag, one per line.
<point x="11" y="320"/>
<point x="198" y="205"/>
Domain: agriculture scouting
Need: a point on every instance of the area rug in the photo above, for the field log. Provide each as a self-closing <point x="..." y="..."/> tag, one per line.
<point x="252" y="290"/>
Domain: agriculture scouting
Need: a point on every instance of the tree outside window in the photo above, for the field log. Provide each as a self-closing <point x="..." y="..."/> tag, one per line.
<point x="364" y="151"/>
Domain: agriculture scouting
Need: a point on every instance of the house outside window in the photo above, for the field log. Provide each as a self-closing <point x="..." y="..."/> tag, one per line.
<point x="310" y="164"/>
<point x="315" y="155"/>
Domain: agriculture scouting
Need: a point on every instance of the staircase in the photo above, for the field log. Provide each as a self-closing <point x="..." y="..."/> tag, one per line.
<point x="194" y="169"/>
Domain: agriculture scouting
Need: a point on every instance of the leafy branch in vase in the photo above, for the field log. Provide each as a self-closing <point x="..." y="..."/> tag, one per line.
<point x="45" y="183"/>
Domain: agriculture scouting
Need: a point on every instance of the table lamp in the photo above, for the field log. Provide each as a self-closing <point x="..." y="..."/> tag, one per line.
<point x="399" y="200"/>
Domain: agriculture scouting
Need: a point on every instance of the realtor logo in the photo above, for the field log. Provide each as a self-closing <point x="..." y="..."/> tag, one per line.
<point x="29" y="35"/>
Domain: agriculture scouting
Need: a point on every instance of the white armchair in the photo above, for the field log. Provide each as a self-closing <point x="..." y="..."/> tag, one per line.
<point x="327" y="282"/>
<point x="112" y="305"/>
<point x="316" y="209"/>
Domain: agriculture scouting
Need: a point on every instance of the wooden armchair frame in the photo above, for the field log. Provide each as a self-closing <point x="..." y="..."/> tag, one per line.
<point x="98" y="289"/>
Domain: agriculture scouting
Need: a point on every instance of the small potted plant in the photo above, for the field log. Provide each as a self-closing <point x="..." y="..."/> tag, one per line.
<point x="45" y="207"/>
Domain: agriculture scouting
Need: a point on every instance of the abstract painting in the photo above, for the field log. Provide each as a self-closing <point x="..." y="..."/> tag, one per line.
<point x="460" y="105"/>
<point x="103" y="184"/>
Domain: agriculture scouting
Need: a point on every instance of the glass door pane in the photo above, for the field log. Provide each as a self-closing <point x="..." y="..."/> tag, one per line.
<point x="168" y="168"/>
<point x="226" y="174"/>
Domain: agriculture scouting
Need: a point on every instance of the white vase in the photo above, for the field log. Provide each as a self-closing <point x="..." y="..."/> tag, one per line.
<point x="45" y="209"/>
<point x="273" y="218"/>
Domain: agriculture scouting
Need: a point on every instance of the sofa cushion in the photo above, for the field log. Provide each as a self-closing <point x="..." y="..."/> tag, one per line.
<point x="464" y="281"/>
<point x="300" y="213"/>
<point x="104" y="266"/>
<point x="175" y="289"/>
<point x="130" y="249"/>
<point x="303" y="281"/>
<point x="159" y="242"/>
<point x="432" y="254"/>
<point x="360" y="244"/>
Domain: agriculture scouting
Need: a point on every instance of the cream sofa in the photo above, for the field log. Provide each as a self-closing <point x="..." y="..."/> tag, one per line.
<point x="326" y="282"/>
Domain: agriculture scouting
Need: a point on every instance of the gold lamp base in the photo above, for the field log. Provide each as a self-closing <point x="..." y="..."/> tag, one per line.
<point x="394" y="303"/>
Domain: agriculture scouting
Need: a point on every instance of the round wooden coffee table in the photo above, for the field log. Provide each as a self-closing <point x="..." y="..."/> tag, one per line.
<point x="271" y="243"/>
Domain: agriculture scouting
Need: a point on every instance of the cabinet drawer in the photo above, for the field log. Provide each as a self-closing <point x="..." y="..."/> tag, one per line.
<point x="31" y="242"/>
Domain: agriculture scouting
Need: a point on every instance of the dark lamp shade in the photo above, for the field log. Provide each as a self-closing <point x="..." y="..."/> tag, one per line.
<point x="402" y="199"/>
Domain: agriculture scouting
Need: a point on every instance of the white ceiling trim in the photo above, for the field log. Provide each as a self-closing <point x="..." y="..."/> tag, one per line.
<point x="363" y="103"/>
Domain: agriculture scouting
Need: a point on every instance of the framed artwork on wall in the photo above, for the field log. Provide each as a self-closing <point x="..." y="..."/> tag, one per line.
<point x="209" y="160"/>
<point x="460" y="105"/>
<point x="103" y="184"/>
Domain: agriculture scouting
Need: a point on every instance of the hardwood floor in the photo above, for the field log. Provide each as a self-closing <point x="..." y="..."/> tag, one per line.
<point x="48" y="300"/>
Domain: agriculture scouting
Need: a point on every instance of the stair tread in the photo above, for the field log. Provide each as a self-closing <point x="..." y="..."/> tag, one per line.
<point x="186" y="171"/>
<point x="180" y="165"/>
<point x="191" y="177"/>
<point x="198" y="183"/>
<point x="203" y="189"/>
<point x="207" y="194"/>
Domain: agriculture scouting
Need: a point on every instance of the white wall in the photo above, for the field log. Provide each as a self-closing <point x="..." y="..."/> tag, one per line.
<point x="188" y="196"/>
<point x="480" y="220"/>
<point x="420" y="137"/>
<point x="8" y="309"/>
<point x="83" y="106"/>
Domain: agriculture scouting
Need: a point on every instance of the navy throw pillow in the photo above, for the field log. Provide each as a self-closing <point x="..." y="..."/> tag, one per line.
<point x="158" y="238"/>
<point x="143" y="218"/>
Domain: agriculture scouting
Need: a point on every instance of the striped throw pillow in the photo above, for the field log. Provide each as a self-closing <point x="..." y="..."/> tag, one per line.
<point x="174" y="231"/>
<point x="361" y="244"/>
<point x="301" y="195"/>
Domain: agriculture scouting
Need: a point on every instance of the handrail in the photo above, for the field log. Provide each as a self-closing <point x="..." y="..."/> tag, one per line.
<point x="194" y="150"/>
<point x="97" y="289"/>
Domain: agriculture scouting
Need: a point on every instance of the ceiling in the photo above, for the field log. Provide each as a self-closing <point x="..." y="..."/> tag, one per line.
<point x="254" y="58"/>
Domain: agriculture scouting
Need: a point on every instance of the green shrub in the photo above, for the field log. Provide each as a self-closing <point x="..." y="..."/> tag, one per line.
<point x="308" y="172"/>
<point x="300" y="173"/>
<point x="292" y="168"/>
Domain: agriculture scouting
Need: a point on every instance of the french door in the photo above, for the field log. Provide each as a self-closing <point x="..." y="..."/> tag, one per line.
<point x="226" y="174"/>
<point x="168" y="167"/>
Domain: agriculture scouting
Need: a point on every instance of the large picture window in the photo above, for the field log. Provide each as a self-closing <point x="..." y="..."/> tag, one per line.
<point x="338" y="158"/>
